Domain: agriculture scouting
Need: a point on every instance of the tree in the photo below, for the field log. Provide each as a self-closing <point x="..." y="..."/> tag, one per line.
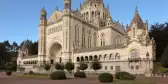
<point x="164" y="59"/>
<point x="159" y="32"/>
<point x="69" y="66"/>
<point x="57" y="66"/>
<point x="96" y="65"/>
<point x="47" y="68"/>
<point x="14" y="47"/>
<point x="83" y="66"/>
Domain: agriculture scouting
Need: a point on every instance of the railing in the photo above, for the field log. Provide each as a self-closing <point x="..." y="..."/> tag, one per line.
<point x="134" y="59"/>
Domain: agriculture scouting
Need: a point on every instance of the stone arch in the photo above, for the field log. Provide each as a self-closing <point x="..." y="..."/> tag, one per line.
<point x="105" y="56"/>
<point x="117" y="56"/>
<point x="110" y="56"/>
<point x="55" y="51"/>
<point x="100" y="57"/>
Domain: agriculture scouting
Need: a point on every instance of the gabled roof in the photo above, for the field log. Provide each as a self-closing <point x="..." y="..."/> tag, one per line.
<point x="137" y="19"/>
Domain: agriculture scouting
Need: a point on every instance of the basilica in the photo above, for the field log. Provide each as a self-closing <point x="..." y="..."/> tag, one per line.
<point x="89" y="33"/>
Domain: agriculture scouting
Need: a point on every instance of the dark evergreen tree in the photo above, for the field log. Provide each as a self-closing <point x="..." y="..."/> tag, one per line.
<point x="96" y="65"/>
<point x="164" y="59"/>
<point x="83" y="66"/>
<point x="69" y="66"/>
<point x="160" y="33"/>
<point x="57" y="66"/>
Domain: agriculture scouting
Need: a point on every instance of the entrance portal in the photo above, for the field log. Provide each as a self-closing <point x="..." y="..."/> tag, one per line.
<point x="55" y="52"/>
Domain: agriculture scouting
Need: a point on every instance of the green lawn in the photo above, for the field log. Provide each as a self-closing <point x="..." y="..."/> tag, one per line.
<point x="34" y="76"/>
<point x="139" y="80"/>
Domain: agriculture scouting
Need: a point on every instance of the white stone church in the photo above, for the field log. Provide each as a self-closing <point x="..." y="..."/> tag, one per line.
<point x="89" y="33"/>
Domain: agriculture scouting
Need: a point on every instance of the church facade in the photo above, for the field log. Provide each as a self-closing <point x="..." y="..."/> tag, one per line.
<point x="89" y="33"/>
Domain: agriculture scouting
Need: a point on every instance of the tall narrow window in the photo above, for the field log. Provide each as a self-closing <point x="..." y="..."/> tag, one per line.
<point x="133" y="32"/>
<point x="83" y="38"/>
<point x="89" y="39"/>
<point x="75" y="33"/>
<point x="94" y="39"/>
<point x="102" y="39"/>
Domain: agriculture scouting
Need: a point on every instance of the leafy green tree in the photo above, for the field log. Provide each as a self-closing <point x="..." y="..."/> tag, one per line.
<point x="83" y="66"/>
<point x="47" y="67"/>
<point x="159" y="32"/>
<point x="14" y="47"/>
<point x="164" y="59"/>
<point x="96" y="65"/>
<point x="69" y="66"/>
<point x="57" y="66"/>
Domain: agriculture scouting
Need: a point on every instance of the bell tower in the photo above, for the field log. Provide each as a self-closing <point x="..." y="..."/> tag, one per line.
<point x="42" y="35"/>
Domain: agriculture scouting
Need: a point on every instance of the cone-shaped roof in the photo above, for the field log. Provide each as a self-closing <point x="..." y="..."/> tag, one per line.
<point x="137" y="19"/>
<point x="43" y="11"/>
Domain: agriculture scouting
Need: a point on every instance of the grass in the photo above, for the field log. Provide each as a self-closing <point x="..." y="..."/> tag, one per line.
<point x="34" y="76"/>
<point x="138" y="80"/>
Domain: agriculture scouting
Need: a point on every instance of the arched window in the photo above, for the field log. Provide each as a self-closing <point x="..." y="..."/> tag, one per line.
<point x="90" y="58"/>
<point x="95" y="57"/>
<point x="105" y="56"/>
<point x="77" y="59"/>
<point x="134" y="53"/>
<point x="86" y="58"/>
<point x="82" y="59"/>
<point x="92" y="13"/>
<point x="133" y="32"/>
<point x="110" y="57"/>
<point x="95" y="39"/>
<point x="102" y="39"/>
<point x="117" y="40"/>
<point x="117" y="56"/>
<point x="83" y="38"/>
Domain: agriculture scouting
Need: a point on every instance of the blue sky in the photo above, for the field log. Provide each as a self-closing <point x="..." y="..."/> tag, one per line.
<point x="19" y="19"/>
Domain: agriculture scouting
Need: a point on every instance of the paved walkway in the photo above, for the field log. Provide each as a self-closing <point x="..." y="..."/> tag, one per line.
<point x="91" y="80"/>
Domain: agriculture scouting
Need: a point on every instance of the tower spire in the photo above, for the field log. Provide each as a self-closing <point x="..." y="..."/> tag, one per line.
<point x="137" y="19"/>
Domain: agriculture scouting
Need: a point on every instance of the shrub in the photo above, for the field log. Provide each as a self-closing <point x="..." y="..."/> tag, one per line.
<point x="58" y="75"/>
<point x="124" y="76"/>
<point x="80" y="75"/>
<point x="105" y="78"/>
<point x="30" y="73"/>
<point x="8" y="73"/>
<point x="69" y="66"/>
